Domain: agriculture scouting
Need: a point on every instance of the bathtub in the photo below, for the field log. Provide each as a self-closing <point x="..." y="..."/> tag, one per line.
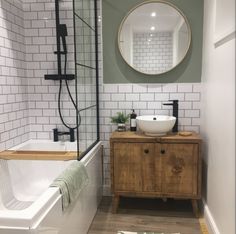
<point x="29" y="206"/>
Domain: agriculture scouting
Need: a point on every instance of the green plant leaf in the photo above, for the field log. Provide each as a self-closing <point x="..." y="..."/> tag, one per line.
<point x="120" y="118"/>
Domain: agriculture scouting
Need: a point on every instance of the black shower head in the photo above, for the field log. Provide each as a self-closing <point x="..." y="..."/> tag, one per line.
<point x="63" y="30"/>
<point x="63" y="33"/>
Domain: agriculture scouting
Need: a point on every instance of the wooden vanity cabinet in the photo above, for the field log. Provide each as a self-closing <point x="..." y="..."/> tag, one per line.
<point x="166" y="167"/>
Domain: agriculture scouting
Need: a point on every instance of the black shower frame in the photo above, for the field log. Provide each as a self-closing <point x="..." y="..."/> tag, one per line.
<point x="79" y="157"/>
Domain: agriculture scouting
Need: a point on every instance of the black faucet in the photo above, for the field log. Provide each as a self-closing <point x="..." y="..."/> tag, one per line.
<point x="175" y="104"/>
<point x="56" y="133"/>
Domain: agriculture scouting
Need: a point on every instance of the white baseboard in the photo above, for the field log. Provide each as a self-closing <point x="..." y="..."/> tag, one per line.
<point x="210" y="222"/>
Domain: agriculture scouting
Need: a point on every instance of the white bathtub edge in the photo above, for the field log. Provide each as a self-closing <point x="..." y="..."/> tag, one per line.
<point x="27" y="217"/>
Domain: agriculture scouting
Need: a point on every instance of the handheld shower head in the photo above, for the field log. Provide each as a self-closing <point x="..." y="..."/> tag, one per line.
<point x="63" y="33"/>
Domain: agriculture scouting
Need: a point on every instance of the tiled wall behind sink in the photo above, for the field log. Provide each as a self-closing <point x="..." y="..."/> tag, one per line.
<point x="14" y="127"/>
<point x="146" y="99"/>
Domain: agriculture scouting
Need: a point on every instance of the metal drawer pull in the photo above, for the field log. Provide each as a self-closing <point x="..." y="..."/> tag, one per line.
<point x="146" y="151"/>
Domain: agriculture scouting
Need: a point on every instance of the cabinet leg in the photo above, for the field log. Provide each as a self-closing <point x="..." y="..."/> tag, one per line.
<point x="115" y="203"/>
<point x="195" y="208"/>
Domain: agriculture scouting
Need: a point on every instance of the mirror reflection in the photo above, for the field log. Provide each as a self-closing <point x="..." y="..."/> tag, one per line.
<point x="154" y="37"/>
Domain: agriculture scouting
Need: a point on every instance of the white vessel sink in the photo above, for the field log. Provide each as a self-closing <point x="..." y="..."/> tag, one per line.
<point x="155" y="125"/>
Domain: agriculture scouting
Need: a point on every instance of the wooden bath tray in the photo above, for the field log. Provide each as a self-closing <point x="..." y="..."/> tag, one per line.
<point x="38" y="155"/>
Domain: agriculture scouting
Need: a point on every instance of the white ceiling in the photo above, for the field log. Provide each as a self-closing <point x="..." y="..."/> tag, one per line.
<point x="166" y="18"/>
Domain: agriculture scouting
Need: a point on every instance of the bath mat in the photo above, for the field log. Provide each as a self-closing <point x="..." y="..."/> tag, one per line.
<point x="125" y="232"/>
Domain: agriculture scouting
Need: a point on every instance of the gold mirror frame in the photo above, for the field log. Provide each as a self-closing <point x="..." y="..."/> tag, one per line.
<point x="179" y="11"/>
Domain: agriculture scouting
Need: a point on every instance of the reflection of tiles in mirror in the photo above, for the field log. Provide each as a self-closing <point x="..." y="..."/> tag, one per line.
<point x="125" y="232"/>
<point x="153" y="54"/>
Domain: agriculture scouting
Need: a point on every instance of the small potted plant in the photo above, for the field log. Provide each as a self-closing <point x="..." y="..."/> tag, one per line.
<point x="120" y="119"/>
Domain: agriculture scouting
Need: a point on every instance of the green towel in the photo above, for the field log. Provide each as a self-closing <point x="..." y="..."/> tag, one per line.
<point x="70" y="182"/>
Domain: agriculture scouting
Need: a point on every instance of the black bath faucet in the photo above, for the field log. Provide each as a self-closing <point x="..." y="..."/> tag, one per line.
<point x="56" y="133"/>
<point x="175" y="104"/>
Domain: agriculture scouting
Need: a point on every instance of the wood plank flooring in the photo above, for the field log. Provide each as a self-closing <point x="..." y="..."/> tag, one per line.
<point x="146" y="215"/>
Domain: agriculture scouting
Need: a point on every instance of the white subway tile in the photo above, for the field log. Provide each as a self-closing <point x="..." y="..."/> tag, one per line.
<point x="110" y="88"/>
<point x="35" y="97"/>
<point x="185" y="88"/>
<point x="37" y="23"/>
<point x="139" y="88"/>
<point x="39" y="57"/>
<point x="39" y="40"/>
<point x="192" y="97"/>
<point x="110" y="105"/>
<point x="132" y="97"/>
<point x="154" y="88"/>
<point x="117" y="97"/>
<point x="41" y="120"/>
<point x="3" y="118"/>
<point x="36" y="112"/>
<point x="126" y="88"/>
<point x="162" y="97"/>
<point x="147" y="97"/>
<point x="125" y="105"/>
<point x="147" y="112"/>
<point x="196" y="105"/>
<point x="105" y="113"/>
<point x="105" y="97"/>
<point x="3" y="99"/>
<point x="38" y="7"/>
<point x="49" y="97"/>
<point x="185" y="105"/>
<point x="192" y="113"/>
<point x="41" y="105"/>
<point x="41" y="89"/>
<point x="184" y="121"/>
<point x="139" y="105"/>
<point x="43" y="135"/>
<point x="197" y="87"/>
<point x="162" y="112"/>
<point x="49" y="112"/>
<point x="177" y="96"/>
<point x="154" y="105"/>
<point x="169" y="88"/>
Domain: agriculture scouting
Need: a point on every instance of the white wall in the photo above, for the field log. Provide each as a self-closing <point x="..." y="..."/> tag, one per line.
<point x="218" y="121"/>
<point x="225" y="17"/>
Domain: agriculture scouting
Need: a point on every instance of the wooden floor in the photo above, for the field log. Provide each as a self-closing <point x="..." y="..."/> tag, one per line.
<point x="146" y="215"/>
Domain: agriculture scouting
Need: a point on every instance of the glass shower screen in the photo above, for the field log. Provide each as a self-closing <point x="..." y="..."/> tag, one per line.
<point x="86" y="70"/>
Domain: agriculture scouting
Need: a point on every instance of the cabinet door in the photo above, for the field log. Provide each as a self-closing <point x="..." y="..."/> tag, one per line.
<point x="151" y="167"/>
<point x="135" y="167"/>
<point x="127" y="167"/>
<point x="180" y="168"/>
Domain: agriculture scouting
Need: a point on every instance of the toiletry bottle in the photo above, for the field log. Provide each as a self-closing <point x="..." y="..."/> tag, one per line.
<point x="133" y="121"/>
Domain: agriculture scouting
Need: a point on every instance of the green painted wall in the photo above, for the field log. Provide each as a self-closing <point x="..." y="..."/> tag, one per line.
<point x="115" y="68"/>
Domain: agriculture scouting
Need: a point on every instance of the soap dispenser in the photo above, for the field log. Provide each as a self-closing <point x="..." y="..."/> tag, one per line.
<point x="133" y="125"/>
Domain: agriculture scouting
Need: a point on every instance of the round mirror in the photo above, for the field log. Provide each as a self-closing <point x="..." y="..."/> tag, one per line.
<point x="154" y="37"/>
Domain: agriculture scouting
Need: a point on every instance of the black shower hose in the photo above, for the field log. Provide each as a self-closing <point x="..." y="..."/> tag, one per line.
<point x="72" y="100"/>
